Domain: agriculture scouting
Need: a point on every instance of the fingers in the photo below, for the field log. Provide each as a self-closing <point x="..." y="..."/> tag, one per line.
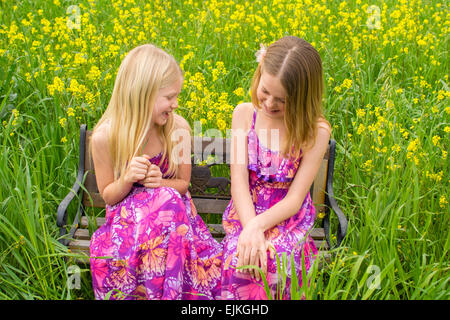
<point x="263" y="263"/>
<point x="252" y="256"/>
<point x="142" y="160"/>
<point x="137" y="169"/>
<point x="271" y="248"/>
<point x="154" y="171"/>
<point x="240" y="255"/>
<point x="254" y="261"/>
<point x="153" y="177"/>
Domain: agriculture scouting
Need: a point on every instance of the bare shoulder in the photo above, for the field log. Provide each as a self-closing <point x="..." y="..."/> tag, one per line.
<point x="242" y="114"/>
<point x="324" y="124"/>
<point x="245" y="108"/>
<point x="181" y="122"/>
<point x="323" y="128"/>
<point x="100" y="136"/>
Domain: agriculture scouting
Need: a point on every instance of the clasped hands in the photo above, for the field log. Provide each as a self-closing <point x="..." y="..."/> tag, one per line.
<point x="252" y="249"/>
<point x="142" y="171"/>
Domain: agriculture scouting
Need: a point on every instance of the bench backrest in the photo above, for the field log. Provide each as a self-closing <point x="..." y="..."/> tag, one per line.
<point x="218" y="147"/>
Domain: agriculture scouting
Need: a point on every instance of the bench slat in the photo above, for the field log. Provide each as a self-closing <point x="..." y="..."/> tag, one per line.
<point x="216" y="206"/>
<point x="82" y="234"/>
<point x="82" y="247"/>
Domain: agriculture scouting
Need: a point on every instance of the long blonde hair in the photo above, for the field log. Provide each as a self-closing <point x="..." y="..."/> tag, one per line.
<point x="143" y="72"/>
<point x="299" y="67"/>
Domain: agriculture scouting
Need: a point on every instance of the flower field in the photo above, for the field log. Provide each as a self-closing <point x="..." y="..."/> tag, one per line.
<point x="387" y="98"/>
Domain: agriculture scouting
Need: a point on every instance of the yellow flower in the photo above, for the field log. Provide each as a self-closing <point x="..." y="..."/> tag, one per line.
<point x="79" y="58"/>
<point x="221" y="124"/>
<point x="435" y="140"/>
<point x="442" y="201"/>
<point x="57" y="85"/>
<point x="368" y="165"/>
<point x="347" y="83"/>
<point x="412" y="146"/>
<point x="239" y="92"/>
<point x="360" y="113"/>
<point x="94" y="73"/>
<point x="421" y="42"/>
<point x="396" y="148"/>
<point x="361" y="129"/>
<point x="64" y="139"/>
<point x="62" y="122"/>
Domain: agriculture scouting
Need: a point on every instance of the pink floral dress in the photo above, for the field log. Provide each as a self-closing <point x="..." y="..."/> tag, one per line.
<point x="270" y="176"/>
<point x="154" y="245"/>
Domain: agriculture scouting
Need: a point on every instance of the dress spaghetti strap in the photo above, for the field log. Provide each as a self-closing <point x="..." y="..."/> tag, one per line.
<point x="254" y="120"/>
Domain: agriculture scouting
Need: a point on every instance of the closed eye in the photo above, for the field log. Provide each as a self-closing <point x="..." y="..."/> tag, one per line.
<point x="280" y="100"/>
<point x="171" y="96"/>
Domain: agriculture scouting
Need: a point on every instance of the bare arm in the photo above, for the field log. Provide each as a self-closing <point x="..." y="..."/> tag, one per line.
<point x="113" y="191"/>
<point x="239" y="161"/>
<point x="252" y="245"/>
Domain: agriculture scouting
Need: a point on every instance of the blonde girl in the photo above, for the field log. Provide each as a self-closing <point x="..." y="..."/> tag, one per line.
<point x="150" y="244"/>
<point x="271" y="208"/>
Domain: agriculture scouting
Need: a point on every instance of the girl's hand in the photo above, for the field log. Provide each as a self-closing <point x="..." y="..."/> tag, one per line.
<point x="137" y="169"/>
<point x="252" y="249"/>
<point x="153" y="178"/>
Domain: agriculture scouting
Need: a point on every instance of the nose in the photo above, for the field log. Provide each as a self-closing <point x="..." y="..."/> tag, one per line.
<point x="270" y="102"/>
<point x="175" y="104"/>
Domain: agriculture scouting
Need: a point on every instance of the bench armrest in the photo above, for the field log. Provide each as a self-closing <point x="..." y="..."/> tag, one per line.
<point x="342" y="227"/>
<point x="61" y="218"/>
<point x="330" y="202"/>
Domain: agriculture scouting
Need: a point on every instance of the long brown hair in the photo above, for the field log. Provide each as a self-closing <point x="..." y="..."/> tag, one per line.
<point x="298" y="66"/>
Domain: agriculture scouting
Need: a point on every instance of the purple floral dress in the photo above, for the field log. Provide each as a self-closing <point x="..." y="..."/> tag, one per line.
<point x="154" y="245"/>
<point x="270" y="176"/>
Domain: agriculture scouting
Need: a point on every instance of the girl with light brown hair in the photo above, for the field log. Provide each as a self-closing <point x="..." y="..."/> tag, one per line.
<point x="271" y="209"/>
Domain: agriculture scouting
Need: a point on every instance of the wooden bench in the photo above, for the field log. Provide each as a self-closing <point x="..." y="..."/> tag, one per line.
<point x="202" y="182"/>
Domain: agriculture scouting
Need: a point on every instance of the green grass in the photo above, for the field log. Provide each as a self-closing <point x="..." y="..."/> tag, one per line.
<point x="386" y="98"/>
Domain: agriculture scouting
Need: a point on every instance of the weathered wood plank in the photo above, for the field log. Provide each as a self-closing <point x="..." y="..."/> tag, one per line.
<point x="79" y="245"/>
<point x="319" y="187"/>
<point x="82" y="247"/>
<point x="216" y="206"/>
<point x="82" y="234"/>
<point x="85" y="221"/>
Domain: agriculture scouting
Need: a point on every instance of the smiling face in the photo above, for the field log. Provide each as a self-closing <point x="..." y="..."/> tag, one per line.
<point x="166" y="101"/>
<point x="271" y="96"/>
